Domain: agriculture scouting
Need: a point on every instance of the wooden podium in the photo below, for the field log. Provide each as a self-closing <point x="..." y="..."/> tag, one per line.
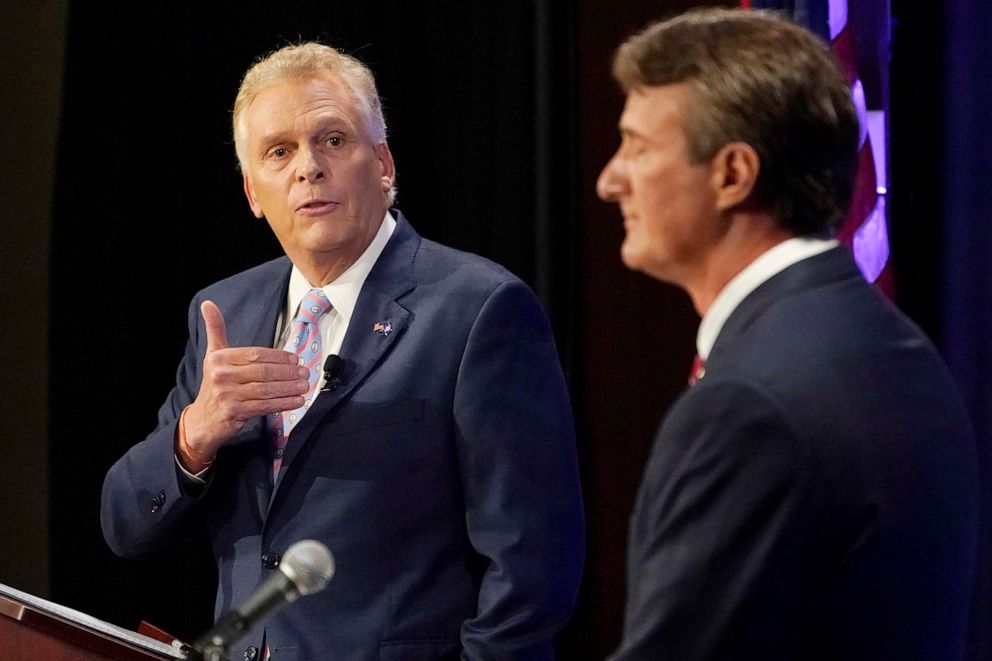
<point x="32" y="629"/>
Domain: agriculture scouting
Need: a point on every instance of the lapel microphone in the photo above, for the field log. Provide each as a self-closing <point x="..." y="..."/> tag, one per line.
<point x="333" y="366"/>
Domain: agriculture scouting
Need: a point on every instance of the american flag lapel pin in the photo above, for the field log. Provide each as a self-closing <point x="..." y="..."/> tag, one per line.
<point x="382" y="327"/>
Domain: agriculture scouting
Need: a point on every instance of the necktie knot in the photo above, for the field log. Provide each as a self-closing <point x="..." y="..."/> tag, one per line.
<point x="314" y="306"/>
<point x="303" y="332"/>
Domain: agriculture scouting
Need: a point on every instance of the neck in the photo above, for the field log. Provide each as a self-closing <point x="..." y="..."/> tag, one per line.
<point x="749" y="236"/>
<point x="323" y="268"/>
<point x="321" y="272"/>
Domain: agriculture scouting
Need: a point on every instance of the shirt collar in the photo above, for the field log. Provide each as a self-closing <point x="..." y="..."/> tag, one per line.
<point x="343" y="291"/>
<point x="768" y="264"/>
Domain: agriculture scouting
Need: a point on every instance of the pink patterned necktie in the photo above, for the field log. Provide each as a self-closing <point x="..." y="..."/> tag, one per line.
<point x="304" y="341"/>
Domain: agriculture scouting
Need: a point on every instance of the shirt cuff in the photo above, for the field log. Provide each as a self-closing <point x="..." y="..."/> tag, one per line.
<point x="198" y="478"/>
<point x="195" y="480"/>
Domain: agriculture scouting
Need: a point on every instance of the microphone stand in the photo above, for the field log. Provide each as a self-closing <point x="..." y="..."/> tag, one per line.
<point x="212" y="646"/>
<point x="212" y="651"/>
<point x="305" y="569"/>
<point x="215" y="652"/>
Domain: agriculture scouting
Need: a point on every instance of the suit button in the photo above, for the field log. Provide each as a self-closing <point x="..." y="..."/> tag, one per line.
<point x="251" y="653"/>
<point x="270" y="560"/>
<point x="157" y="501"/>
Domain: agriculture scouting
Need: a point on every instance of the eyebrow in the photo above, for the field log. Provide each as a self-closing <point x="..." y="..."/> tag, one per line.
<point x="627" y="131"/>
<point x="267" y="141"/>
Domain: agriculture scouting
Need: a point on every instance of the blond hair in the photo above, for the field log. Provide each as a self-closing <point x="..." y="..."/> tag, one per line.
<point x="309" y="59"/>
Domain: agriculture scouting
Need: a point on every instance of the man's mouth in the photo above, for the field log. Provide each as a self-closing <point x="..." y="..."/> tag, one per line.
<point x="316" y="207"/>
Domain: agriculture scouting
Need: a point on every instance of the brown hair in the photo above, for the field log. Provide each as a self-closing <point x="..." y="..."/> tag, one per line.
<point x="759" y="79"/>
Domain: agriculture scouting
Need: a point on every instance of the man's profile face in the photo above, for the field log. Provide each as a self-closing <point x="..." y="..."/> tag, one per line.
<point x="667" y="202"/>
<point x="312" y="170"/>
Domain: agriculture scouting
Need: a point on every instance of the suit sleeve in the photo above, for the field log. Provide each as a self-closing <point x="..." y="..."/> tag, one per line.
<point x="519" y="470"/>
<point x="145" y="500"/>
<point x="720" y="533"/>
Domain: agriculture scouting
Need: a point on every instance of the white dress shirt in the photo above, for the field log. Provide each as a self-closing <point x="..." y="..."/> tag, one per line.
<point x="342" y="292"/>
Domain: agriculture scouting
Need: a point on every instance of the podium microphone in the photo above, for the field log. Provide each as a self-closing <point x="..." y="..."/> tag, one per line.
<point x="306" y="568"/>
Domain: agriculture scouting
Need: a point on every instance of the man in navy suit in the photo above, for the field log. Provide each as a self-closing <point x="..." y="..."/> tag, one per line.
<point x="438" y="465"/>
<point x="814" y="494"/>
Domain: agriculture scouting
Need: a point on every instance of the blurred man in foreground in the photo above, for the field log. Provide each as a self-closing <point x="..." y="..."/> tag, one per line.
<point x="436" y="460"/>
<point x="813" y="495"/>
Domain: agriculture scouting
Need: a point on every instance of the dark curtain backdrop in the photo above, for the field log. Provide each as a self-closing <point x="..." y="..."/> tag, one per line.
<point x="966" y="275"/>
<point x="940" y="216"/>
<point x="31" y="55"/>
<point x="500" y="116"/>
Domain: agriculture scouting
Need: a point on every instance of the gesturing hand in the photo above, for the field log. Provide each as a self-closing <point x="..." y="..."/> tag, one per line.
<point x="239" y="383"/>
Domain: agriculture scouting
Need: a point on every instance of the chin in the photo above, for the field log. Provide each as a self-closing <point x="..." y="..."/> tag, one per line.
<point x="645" y="263"/>
<point x="326" y="235"/>
<point x="630" y="256"/>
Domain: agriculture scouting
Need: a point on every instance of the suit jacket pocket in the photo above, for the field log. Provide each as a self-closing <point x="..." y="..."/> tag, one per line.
<point x="420" y="649"/>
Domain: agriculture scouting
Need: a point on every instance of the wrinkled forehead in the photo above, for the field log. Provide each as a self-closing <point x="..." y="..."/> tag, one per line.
<point x="282" y="100"/>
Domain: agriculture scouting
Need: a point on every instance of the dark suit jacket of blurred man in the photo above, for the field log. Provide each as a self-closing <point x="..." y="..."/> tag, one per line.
<point x="814" y="495"/>
<point x="441" y="473"/>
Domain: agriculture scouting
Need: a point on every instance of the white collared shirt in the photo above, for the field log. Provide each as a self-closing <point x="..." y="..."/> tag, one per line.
<point x="342" y="292"/>
<point x="770" y="263"/>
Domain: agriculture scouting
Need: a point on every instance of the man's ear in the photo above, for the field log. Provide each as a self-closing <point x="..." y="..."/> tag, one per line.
<point x="256" y="208"/>
<point x="387" y="166"/>
<point x="735" y="174"/>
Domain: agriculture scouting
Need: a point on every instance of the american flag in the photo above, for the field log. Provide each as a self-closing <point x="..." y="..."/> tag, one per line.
<point x="864" y="229"/>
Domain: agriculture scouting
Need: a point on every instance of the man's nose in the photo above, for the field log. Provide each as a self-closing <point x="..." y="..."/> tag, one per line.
<point x="610" y="184"/>
<point x="310" y="167"/>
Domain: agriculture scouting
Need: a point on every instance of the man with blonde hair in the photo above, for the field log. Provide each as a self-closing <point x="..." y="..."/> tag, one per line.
<point x="433" y="453"/>
<point x="813" y="495"/>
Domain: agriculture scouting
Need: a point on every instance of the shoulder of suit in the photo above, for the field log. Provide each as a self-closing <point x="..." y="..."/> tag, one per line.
<point x="249" y="280"/>
<point x="435" y="259"/>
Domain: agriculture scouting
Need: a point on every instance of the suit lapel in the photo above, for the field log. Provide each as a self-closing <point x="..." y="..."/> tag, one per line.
<point x="376" y="325"/>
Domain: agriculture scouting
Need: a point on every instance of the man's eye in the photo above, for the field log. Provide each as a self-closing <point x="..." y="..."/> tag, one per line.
<point x="278" y="152"/>
<point x="335" y="140"/>
<point x="632" y="149"/>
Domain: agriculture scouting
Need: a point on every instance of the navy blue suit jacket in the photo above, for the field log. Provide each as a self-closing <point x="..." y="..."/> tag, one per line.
<point x="441" y="473"/>
<point x="814" y="496"/>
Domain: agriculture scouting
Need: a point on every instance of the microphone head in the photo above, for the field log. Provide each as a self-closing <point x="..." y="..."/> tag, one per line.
<point x="333" y="365"/>
<point x="308" y="565"/>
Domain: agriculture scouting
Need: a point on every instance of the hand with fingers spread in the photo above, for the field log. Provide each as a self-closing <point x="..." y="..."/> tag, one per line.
<point x="239" y="383"/>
